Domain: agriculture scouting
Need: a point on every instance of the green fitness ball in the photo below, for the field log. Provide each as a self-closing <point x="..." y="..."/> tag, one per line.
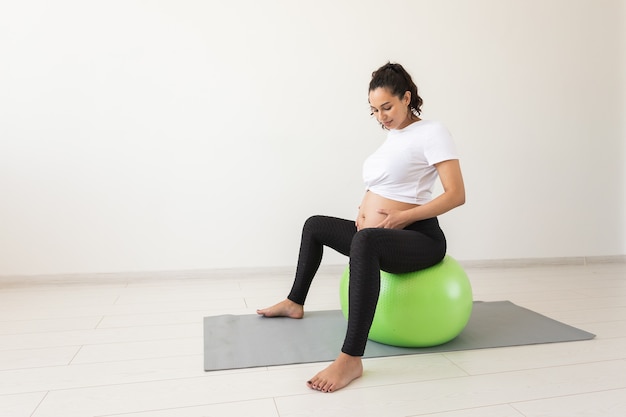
<point x="419" y="309"/>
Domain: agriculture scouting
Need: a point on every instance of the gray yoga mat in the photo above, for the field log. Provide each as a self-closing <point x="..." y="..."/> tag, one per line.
<point x="232" y="342"/>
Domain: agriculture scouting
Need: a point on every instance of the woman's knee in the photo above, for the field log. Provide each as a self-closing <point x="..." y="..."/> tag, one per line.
<point x="363" y="242"/>
<point x="313" y="223"/>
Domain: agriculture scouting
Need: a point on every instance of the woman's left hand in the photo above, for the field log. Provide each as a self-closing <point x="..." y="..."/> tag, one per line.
<point x="394" y="219"/>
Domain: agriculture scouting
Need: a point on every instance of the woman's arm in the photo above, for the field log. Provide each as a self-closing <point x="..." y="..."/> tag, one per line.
<point x="453" y="196"/>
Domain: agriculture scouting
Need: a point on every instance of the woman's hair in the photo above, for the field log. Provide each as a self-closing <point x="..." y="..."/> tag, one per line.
<point x="394" y="78"/>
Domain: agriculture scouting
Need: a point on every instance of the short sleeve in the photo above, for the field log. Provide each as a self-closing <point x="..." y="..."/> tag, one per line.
<point x="440" y="145"/>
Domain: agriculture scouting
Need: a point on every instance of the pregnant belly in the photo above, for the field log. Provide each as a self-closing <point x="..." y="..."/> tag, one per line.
<point x="368" y="211"/>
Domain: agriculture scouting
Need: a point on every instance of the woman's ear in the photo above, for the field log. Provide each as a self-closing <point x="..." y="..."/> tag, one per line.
<point x="407" y="98"/>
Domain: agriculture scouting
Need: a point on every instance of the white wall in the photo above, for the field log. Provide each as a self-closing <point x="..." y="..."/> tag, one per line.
<point x="160" y="135"/>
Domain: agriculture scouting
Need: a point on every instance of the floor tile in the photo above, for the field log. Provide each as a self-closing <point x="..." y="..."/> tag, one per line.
<point x="36" y="358"/>
<point x="20" y="405"/>
<point x="494" y="411"/>
<point x="605" y="404"/>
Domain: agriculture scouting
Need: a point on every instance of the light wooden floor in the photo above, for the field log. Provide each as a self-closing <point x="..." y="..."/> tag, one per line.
<point x="131" y="345"/>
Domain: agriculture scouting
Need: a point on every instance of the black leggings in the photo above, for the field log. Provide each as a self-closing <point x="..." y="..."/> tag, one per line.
<point x="417" y="246"/>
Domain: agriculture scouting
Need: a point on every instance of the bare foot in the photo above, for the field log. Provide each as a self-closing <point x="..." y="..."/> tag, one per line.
<point x="285" y="308"/>
<point x="338" y="374"/>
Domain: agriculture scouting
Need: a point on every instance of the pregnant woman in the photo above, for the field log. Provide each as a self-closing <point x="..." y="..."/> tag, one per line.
<point x="396" y="229"/>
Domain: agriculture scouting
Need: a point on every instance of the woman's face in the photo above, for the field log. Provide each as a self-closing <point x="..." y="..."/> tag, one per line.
<point x="390" y="111"/>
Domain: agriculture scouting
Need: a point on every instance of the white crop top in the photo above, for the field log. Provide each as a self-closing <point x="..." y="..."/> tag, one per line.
<point x="402" y="168"/>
